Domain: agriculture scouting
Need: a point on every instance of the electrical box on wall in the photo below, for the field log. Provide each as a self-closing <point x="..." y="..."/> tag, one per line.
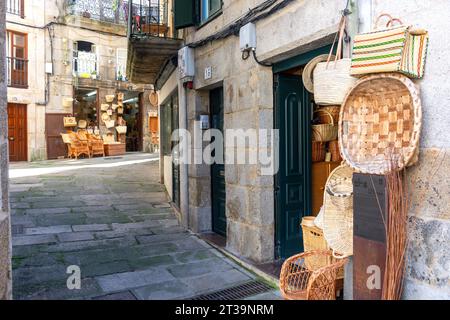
<point x="247" y="37"/>
<point x="49" y="68"/>
<point x="186" y="63"/>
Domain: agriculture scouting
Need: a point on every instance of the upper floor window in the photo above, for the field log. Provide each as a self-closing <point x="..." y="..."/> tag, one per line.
<point x="85" y="64"/>
<point x="17" y="59"/>
<point x="112" y="11"/>
<point x="209" y="8"/>
<point x="195" y="12"/>
<point x="121" y="64"/>
<point x="16" y="7"/>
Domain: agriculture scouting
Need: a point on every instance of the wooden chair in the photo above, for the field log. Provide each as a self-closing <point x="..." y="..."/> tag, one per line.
<point x="299" y="281"/>
<point x="75" y="146"/>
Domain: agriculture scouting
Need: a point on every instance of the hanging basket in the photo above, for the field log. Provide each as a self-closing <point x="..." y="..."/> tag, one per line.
<point x="120" y="96"/>
<point x="307" y="74"/>
<point x="380" y="124"/>
<point x="67" y="102"/>
<point x="326" y="131"/>
<point x="338" y="211"/>
<point x="109" y="124"/>
<point x="104" y="106"/>
<point x="109" y="98"/>
<point x="121" y="129"/>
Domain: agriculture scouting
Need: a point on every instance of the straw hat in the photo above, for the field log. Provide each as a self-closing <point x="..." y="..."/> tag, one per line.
<point x="309" y="69"/>
<point x="82" y="124"/>
<point x="338" y="211"/>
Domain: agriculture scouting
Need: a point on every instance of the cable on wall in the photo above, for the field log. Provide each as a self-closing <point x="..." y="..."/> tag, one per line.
<point x="253" y="15"/>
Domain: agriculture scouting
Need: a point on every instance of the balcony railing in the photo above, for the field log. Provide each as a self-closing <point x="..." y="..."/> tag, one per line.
<point x="149" y="17"/>
<point x="85" y="64"/>
<point x="15" y="7"/>
<point x="112" y="11"/>
<point x="17" y="72"/>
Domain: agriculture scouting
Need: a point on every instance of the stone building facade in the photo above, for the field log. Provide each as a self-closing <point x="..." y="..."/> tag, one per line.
<point x="5" y="235"/>
<point x="248" y="103"/>
<point x="53" y="28"/>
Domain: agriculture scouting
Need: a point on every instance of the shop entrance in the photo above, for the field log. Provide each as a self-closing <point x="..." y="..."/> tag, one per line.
<point x="293" y="184"/>
<point x="132" y="115"/>
<point x="218" y="193"/>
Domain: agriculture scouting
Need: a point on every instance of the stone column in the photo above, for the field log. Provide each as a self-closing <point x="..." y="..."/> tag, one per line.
<point x="250" y="197"/>
<point x="5" y="233"/>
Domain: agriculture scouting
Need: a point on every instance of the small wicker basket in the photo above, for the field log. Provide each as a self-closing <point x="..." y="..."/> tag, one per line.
<point x="325" y="131"/>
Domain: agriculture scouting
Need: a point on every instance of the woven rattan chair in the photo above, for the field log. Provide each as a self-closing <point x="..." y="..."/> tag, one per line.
<point x="299" y="282"/>
<point x="77" y="147"/>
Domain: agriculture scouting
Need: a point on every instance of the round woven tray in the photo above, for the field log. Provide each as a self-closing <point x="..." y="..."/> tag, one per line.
<point x="338" y="211"/>
<point x="380" y="123"/>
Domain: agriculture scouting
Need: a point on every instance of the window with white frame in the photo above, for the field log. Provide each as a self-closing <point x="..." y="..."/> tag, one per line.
<point x="121" y="65"/>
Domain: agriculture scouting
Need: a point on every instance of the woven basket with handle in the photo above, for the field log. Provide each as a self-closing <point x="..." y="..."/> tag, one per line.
<point x="326" y="131"/>
<point x="380" y="123"/>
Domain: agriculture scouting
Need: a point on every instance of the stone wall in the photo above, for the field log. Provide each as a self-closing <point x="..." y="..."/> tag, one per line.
<point x="428" y="271"/>
<point x="5" y="234"/>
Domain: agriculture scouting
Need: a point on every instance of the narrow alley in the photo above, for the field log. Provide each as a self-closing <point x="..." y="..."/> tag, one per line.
<point x="110" y="217"/>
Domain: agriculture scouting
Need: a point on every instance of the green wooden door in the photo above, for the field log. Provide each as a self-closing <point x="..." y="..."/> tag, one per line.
<point x="218" y="193"/>
<point x="292" y="183"/>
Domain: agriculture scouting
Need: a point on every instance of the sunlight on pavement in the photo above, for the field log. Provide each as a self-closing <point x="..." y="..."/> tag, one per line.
<point x="20" y="173"/>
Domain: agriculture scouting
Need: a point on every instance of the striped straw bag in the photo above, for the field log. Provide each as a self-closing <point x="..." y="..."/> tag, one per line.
<point x="392" y="49"/>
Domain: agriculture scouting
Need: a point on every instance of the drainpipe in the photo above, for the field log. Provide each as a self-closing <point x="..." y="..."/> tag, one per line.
<point x="184" y="177"/>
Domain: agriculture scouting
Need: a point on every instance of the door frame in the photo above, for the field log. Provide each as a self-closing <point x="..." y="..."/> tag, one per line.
<point x="278" y="68"/>
<point x="25" y="107"/>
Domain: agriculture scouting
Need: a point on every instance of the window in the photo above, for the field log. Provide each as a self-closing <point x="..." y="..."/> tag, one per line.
<point x="15" y="7"/>
<point x="208" y="8"/>
<point x="85" y="63"/>
<point x="195" y="12"/>
<point x="17" y="59"/>
<point x="121" y="64"/>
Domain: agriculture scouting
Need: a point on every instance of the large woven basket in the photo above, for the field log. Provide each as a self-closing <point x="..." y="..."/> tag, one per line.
<point x="338" y="211"/>
<point x="380" y="123"/>
<point x="325" y="131"/>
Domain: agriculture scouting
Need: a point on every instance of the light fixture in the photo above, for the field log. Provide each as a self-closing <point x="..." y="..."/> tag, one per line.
<point x="92" y="93"/>
<point x="131" y="100"/>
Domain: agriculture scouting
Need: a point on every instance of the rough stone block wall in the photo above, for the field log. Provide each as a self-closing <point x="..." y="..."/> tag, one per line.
<point x="5" y="235"/>
<point x="428" y="259"/>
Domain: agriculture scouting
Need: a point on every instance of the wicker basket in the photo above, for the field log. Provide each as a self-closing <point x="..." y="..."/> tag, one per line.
<point x="313" y="239"/>
<point x="333" y="110"/>
<point x="300" y="282"/>
<point x="338" y="211"/>
<point x="333" y="146"/>
<point x="325" y="131"/>
<point x="380" y="123"/>
<point x="109" y="98"/>
<point x="318" y="151"/>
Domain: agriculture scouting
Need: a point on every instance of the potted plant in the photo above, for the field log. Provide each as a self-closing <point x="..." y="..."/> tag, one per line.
<point x="94" y="75"/>
<point x="119" y="76"/>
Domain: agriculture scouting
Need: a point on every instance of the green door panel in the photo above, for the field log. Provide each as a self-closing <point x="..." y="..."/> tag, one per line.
<point x="292" y="183"/>
<point x="218" y="190"/>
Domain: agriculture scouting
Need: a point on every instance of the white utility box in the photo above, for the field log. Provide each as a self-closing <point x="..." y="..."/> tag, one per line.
<point x="186" y="63"/>
<point x="247" y="37"/>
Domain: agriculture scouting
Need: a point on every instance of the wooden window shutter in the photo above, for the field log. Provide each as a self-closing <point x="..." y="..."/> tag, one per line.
<point x="185" y="13"/>
<point x="214" y="6"/>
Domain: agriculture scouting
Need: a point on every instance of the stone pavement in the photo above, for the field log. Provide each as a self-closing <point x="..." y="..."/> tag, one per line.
<point x="111" y="218"/>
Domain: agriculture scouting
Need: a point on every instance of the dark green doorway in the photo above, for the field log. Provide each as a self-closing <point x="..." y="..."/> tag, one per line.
<point x="218" y="191"/>
<point x="292" y="183"/>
